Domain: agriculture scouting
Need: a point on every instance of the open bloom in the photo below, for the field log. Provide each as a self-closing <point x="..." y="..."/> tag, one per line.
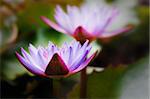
<point x="86" y="22"/>
<point x="52" y="61"/>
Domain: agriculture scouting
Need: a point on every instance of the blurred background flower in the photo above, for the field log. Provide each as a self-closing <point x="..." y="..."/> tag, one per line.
<point x="93" y="20"/>
<point x="124" y="57"/>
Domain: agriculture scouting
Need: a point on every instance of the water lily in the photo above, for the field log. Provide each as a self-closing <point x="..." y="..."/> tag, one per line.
<point x="52" y="61"/>
<point x="86" y="22"/>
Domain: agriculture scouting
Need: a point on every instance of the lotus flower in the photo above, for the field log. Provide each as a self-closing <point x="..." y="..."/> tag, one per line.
<point x="56" y="62"/>
<point x="86" y="22"/>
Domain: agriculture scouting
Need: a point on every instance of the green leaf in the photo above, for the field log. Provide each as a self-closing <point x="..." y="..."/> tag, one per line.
<point x="101" y="85"/>
<point x="104" y="85"/>
<point x="122" y="82"/>
<point x="134" y="84"/>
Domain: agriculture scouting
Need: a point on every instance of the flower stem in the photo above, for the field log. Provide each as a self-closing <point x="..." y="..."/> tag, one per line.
<point x="44" y="89"/>
<point x="58" y="88"/>
<point x="51" y="87"/>
<point x="83" y="84"/>
<point x="83" y="81"/>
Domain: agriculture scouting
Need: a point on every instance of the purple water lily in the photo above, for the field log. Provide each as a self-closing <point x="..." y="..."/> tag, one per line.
<point x="86" y="22"/>
<point x="52" y="61"/>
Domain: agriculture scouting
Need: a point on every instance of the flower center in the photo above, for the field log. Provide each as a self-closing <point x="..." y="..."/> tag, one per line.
<point x="56" y="66"/>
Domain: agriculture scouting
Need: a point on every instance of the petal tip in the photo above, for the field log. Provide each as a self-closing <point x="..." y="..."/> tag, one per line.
<point x="17" y="54"/>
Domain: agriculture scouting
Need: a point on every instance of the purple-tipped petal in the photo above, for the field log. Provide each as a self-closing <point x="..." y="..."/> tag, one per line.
<point x="76" y="46"/>
<point x="33" y="69"/>
<point x="85" y="45"/>
<point x="78" y="61"/>
<point x="56" y="66"/>
<point x="85" y="63"/>
<point x="70" y="55"/>
<point x="38" y="56"/>
<point x="32" y="48"/>
<point x="27" y="56"/>
<point x="53" y="25"/>
<point x="33" y="51"/>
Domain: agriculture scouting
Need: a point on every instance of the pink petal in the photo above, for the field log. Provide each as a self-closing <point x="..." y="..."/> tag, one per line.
<point x="53" y="25"/>
<point x="83" y="65"/>
<point x="63" y="20"/>
<point x="116" y="32"/>
<point x="33" y="69"/>
<point x="110" y="19"/>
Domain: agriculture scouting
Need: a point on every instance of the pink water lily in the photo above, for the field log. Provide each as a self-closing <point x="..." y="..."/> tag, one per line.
<point x="52" y="61"/>
<point x="86" y="22"/>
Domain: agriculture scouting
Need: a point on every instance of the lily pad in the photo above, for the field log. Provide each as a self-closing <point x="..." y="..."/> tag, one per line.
<point x="121" y="82"/>
<point x="101" y="84"/>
